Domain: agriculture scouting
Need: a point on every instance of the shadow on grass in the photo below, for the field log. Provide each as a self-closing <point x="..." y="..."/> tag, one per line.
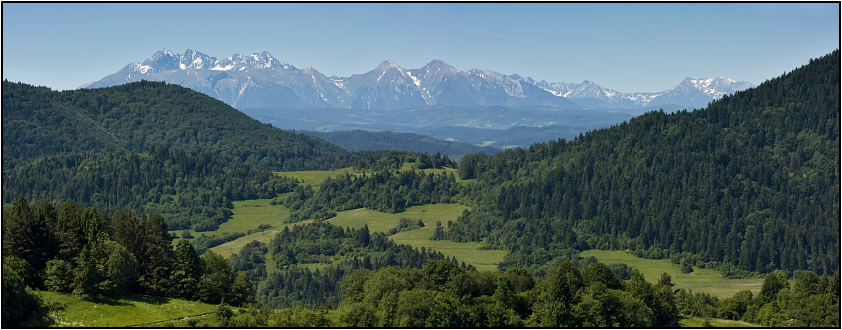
<point x="131" y="300"/>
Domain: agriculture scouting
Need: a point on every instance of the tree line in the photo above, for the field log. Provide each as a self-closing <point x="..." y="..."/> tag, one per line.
<point x="84" y="251"/>
<point x="191" y="191"/>
<point x="441" y="293"/>
<point x="383" y="191"/>
<point x="392" y="160"/>
<point x="813" y="301"/>
<point x="339" y="250"/>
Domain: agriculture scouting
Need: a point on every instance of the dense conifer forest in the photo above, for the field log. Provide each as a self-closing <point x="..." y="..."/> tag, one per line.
<point x="382" y="191"/>
<point x="751" y="182"/>
<point x="148" y="147"/>
<point x="190" y="191"/>
<point x="38" y="122"/>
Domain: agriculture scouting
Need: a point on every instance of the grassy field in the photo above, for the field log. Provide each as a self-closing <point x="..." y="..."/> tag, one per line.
<point x="229" y="248"/>
<point x="700" y="280"/>
<point x="429" y="214"/>
<point x="699" y="322"/>
<point x="130" y="311"/>
<point x="250" y="214"/>
<point x="315" y="178"/>
<point x="382" y="222"/>
<point x="469" y="253"/>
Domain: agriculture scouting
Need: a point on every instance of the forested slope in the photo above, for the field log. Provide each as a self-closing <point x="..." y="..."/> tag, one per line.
<point x="39" y="122"/>
<point x="751" y="181"/>
<point x="363" y="140"/>
<point x="190" y="191"/>
<point x="148" y="147"/>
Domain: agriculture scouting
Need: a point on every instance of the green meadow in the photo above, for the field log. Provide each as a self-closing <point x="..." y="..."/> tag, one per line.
<point x="248" y="215"/>
<point x="252" y="213"/>
<point x="315" y="178"/>
<point x="470" y="253"/>
<point x="135" y="310"/>
<point x="699" y="322"/>
<point x="380" y="221"/>
<point x="700" y="280"/>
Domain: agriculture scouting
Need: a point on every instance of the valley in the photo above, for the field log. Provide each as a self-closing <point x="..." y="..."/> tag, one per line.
<point x="252" y="213"/>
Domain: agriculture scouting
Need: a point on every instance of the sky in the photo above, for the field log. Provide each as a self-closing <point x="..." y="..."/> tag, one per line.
<point x="628" y="47"/>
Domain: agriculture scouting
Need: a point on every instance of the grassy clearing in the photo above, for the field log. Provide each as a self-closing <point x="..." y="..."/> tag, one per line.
<point x="382" y="222"/>
<point x="252" y="213"/>
<point x="435" y="171"/>
<point x="470" y="253"/>
<point x="315" y="178"/>
<point x="209" y="320"/>
<point x="429" y="214"/>
<point x="699" y="322"/>
<point x="700" y="280"/>
<point x="229" y="248"/>
<point x="133" y="310"/>
<point x="248" y="215"/>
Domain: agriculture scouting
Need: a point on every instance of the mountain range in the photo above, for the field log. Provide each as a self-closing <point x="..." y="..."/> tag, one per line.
<point x="263" y="81"/>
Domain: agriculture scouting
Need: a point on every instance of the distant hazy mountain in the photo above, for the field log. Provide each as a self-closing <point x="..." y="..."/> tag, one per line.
<point x="434" y="98"/>
<point x="261" y="81"/>
<point x="364" y="140"/>
<point x="256" y="80"/>
<point x="690" y="93"/>
<point x="493" y="126"/>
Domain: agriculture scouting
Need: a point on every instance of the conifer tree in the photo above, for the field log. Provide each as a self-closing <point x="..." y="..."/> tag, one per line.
<point x="186" y="270"/>
<point x="157" y="262"/>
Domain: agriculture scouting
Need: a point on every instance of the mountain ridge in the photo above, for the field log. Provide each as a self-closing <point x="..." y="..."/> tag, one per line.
<point x="263" y="81"/>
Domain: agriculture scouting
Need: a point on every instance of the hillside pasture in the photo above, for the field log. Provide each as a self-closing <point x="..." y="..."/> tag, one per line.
<point x="315" y="178"/>
<point x="470" y="253"/>
<point x="700" y="280"/>
<point x="134" y="310"/>
<point x="699" y="322"/>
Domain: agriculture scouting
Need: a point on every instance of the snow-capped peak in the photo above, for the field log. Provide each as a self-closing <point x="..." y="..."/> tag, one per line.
<point x="388" y="64"/>
<point x="713" y="87"/>
<point x="166" y="60"/>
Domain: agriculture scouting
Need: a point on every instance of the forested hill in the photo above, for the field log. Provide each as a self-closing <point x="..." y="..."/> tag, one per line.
<point x="40" y="122"/>
<point x="750" y="182"/>
<point x="364" y="140"/>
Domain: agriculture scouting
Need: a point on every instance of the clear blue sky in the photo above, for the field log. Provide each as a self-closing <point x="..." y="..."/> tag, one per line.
<point x="627" y="47"/>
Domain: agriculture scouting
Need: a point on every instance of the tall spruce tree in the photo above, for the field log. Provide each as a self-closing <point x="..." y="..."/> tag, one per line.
<point x="186" y="270"/>
<point x="157" y="261"/>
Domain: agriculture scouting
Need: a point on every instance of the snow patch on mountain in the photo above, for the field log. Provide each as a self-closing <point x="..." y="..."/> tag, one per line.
<point x="261" y="80"/>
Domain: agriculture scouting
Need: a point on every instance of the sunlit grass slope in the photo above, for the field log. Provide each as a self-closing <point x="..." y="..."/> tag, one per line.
<point x="699" y="322"/>
<point x="315" y="178"/>
<point x="700" y="280"/>
<point x="421" y="237"/>
<point x="130" y="311"/>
